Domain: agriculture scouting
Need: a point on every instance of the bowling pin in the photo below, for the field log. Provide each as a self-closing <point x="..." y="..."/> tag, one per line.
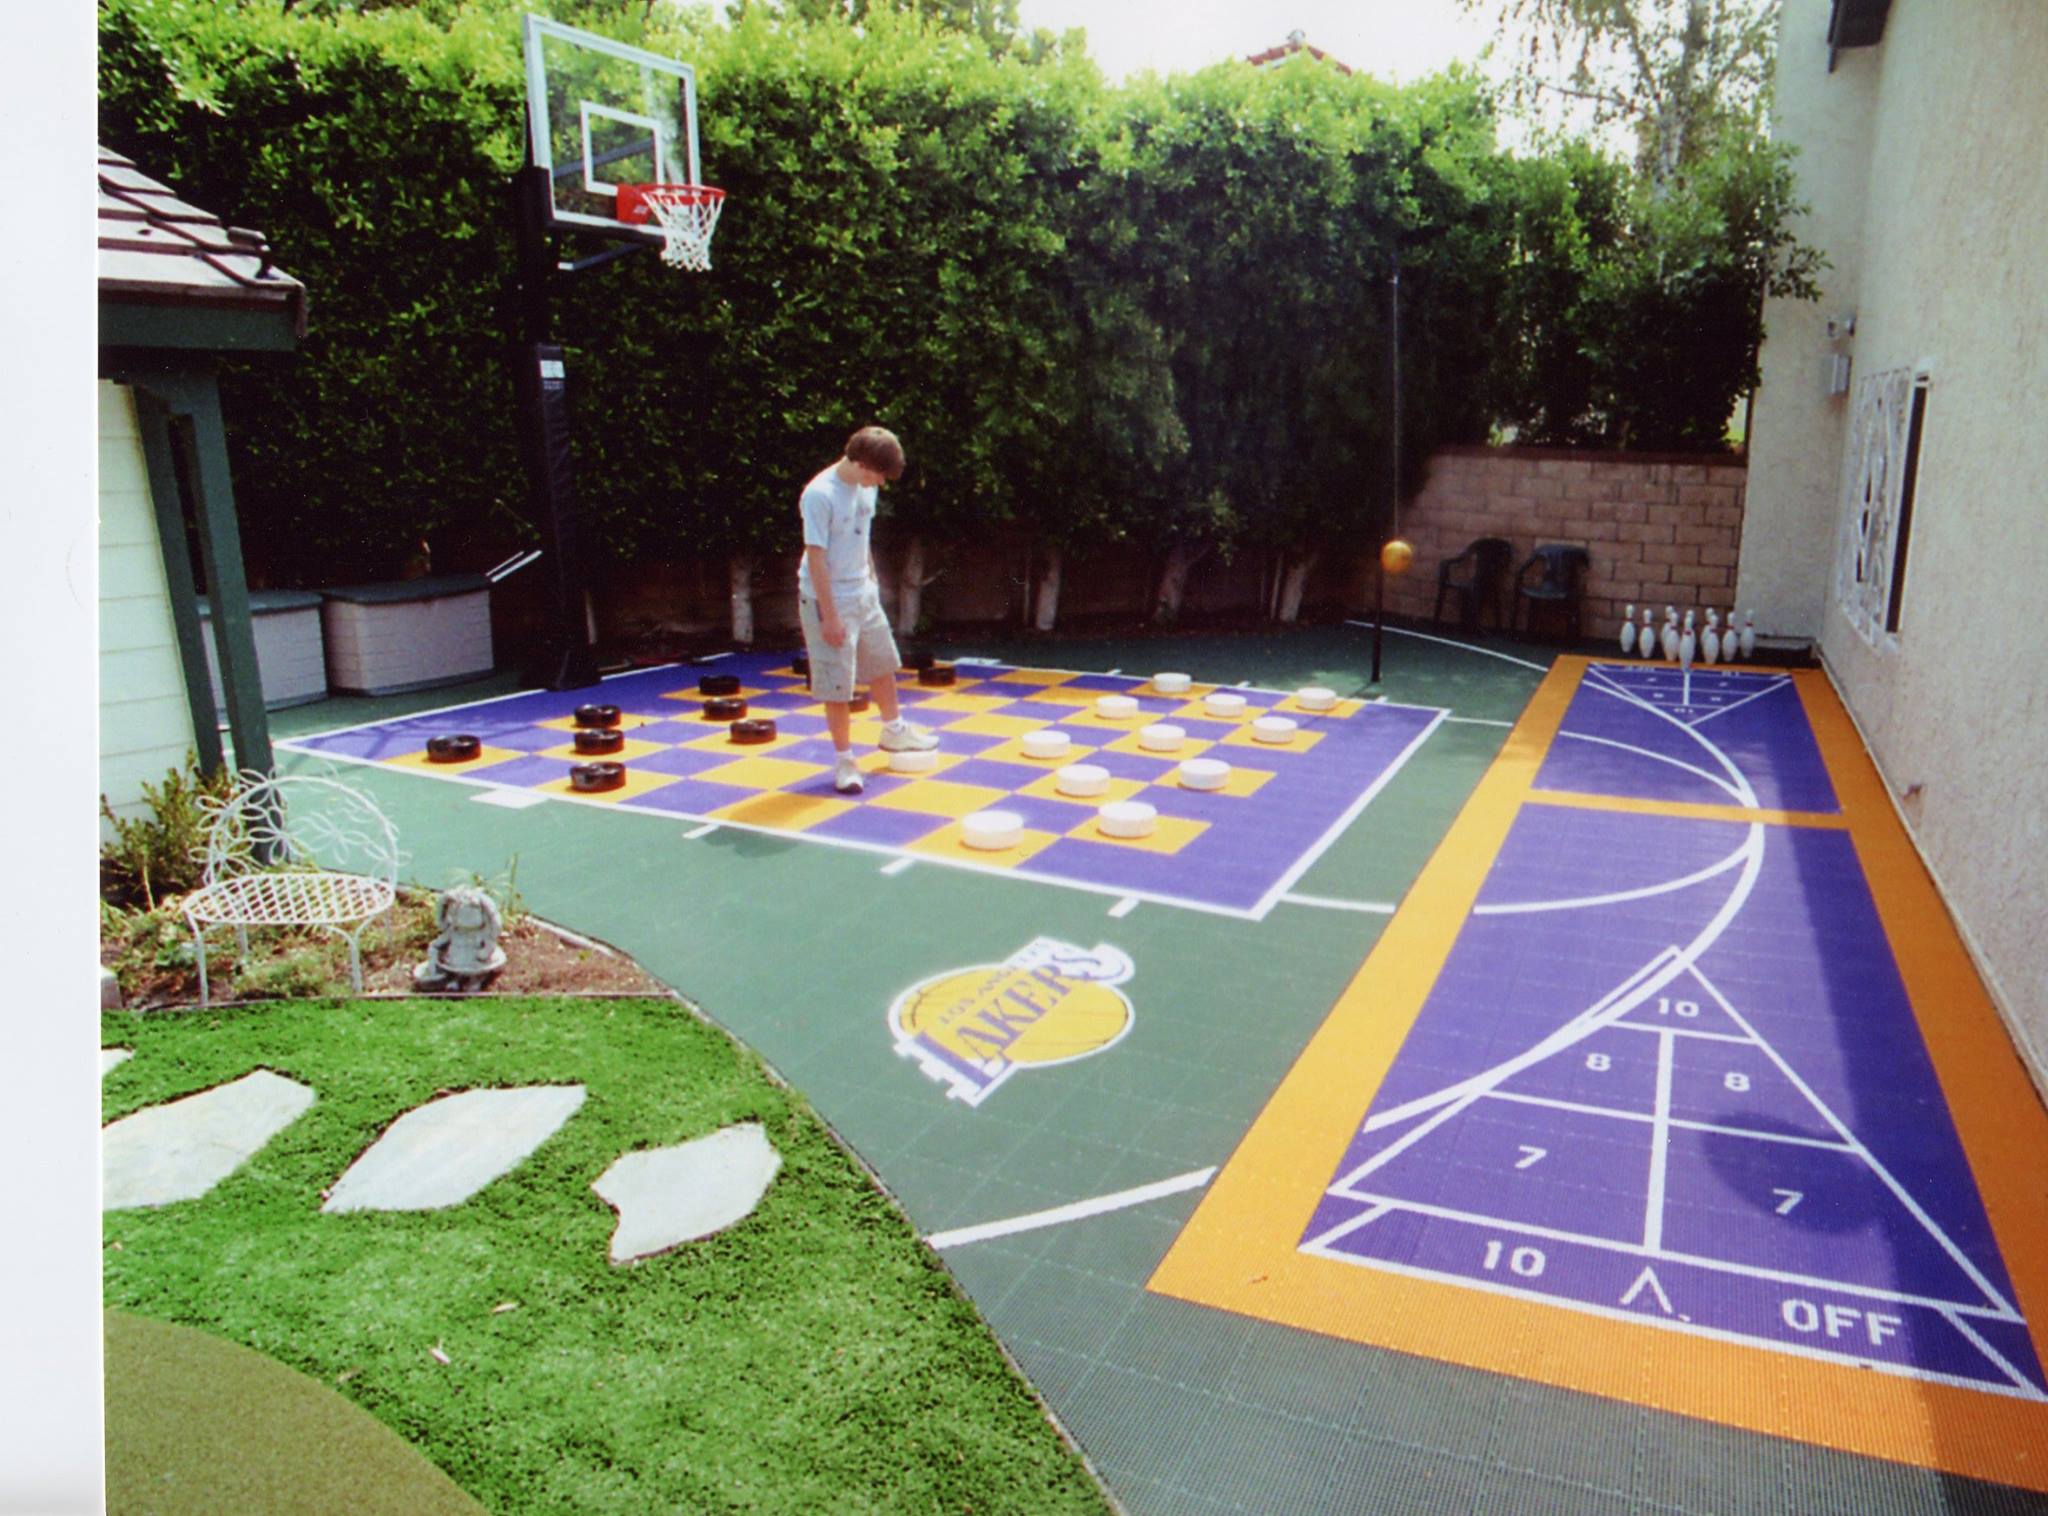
<point x="1710" y="642"/>
<point x="1628" y="628"/>
<point x="1688" y="643"/>
<point x="1731" y="645"/>
<point x="1748" y="633"/>
<point x="1646" y="639"/>
<point x="1670" y="637"/>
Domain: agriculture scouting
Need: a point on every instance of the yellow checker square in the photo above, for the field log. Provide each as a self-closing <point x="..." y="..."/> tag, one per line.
<point x="631" y="748"/>
<point x="1013" y="750"/>
<point x="638" y="782"/>
<point x="1342" y="709"/>
<point x="784" y="811"/>
<point x="1240" y="783"/>
<point x="940" y="797"/>
<point x="1097" y="723"/>
<point x="998" y="726"/>
<point x="1190" y="747"/>
<point x="973" y="705"/>
<point x="1044" y="677"/>
<point x="744" y="692"/>
<point x="1194" y="710"/>
<point x="717" y="738"/>
<point x="1169" y="835"/>
<point x="420" y="760"/>
<point x="628" y="720"/>
<point x="761" y="773"/>
<point x="877" y="762"/>
<point x="1058" y="695"/>
<point x="946" y="842"/>
<point x="1048" y="788"/>
<point x="1299" y="742"/>
<point x="787" y="673"/>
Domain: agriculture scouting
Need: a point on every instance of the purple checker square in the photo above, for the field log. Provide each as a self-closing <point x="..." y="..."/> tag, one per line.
<point x="1563" y="1170"/>
<point x="878" y="825"/>
<point x="523" y="773"/>
<point x="1109" y="866"/>
<point x="690" y="797"/>
<point x="1723" y="1194"/>
<point x="673" y="728"/>
<point x="681" y="761"/>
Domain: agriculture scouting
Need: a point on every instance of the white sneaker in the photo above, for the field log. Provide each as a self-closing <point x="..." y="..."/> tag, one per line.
<point x="901" y="736"/>
<point x="846" y="776"/>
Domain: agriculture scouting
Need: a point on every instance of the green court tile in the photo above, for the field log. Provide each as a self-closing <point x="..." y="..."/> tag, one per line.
<point x="1065" y="1308"/>
<point x="1577" y="1440"/>
<point x="1376" y="1477"/>
<point x="1527" y="1494"/>
<point x="1421" y="1403"/>
<point x="1697" y="1466"/>
<point x="1294" y="1459"/>
<point x="1171" y="1345"/>
<point x="1129" y="1428"/>
<point x="1123" y="1245"/>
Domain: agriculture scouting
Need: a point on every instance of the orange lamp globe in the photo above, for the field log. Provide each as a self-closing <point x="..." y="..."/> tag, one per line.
<point x="1396" y="556"/>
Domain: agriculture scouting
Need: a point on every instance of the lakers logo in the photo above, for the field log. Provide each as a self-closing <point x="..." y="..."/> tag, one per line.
<point x="1049" y="1002"/>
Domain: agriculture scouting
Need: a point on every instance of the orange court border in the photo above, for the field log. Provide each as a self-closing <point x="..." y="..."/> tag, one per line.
<point x="1238" y="1251"/>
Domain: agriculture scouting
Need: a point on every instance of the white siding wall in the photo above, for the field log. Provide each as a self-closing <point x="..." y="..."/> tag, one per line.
<point x="145" y="723"/>
<point x="1945" y="244"/>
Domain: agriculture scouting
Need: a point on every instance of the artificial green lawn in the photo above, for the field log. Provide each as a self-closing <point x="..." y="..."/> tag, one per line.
<point x="815" y="1357"/>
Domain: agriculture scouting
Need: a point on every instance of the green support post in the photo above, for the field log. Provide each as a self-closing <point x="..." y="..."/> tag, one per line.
<point x="153" y="419"/>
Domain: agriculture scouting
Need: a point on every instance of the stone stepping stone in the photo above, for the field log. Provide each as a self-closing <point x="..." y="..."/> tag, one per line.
<point x="113" y="1058"/>
<point x="443" y="1152"/>
<point x="669" y="1196"/>
<point x="183" y="1148"/>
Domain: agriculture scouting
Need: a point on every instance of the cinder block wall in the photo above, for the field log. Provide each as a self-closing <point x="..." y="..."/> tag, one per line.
<point x="1663" y="529"/>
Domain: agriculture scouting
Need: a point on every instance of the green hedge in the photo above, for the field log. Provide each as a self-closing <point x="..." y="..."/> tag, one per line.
<point x="1156" y="313"/>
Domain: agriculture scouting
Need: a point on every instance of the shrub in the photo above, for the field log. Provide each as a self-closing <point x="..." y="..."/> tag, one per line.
<point x="163" y="853"/>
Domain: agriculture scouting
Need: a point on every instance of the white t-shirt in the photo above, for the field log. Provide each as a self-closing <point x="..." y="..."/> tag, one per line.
<point x="837" y="516"/>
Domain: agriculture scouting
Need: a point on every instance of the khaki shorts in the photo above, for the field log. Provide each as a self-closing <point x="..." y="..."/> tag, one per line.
<point x="868" y="652"/>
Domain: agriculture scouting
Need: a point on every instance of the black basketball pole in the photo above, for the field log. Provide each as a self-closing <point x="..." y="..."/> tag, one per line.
<point x="540" y="385"/>
<point x="1379" y="615"/>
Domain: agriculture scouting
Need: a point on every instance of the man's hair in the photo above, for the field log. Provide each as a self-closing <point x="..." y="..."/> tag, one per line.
<point x="876" y="447"/>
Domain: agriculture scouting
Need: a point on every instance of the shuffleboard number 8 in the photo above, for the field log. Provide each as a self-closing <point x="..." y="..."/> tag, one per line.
<point x="1599" y="1063"/>
<point x="1735" y="1080"/>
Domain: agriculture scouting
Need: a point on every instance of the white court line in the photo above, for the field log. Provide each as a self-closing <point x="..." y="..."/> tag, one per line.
<point x="1642" y="752"/>
<point x="1541" y="668"/>
<point x="1690" y="1126"/>
<point x="1745" y="793"/>
<point x="1325" y="903"/>
<point x="1660" y="1148"/>
<point x="511" y="800"/>
<point x="1770" y="689"/>
<point x="1478" y="721"/>
<point x="1079" y="1210"/>
<point x="703" y="831"/>
<point x="1681" y="1031"/>
<point x="1124" y="907"/>
<point x="1520" y="907"/>
<point x="461" y="705"/>
<point x="1647" y="1318"/>
<point x="1637" y="1250"/>
<point x="898" y="866"/>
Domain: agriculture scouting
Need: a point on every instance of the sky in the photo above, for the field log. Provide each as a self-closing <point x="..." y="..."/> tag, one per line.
<point x="1395" y="40"/>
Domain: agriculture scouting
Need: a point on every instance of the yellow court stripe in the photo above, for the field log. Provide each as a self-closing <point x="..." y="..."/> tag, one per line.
<point x="1691" y="810"/>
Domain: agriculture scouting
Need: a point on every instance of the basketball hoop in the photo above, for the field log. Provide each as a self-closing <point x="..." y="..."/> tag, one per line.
<point x="686" y="213"/>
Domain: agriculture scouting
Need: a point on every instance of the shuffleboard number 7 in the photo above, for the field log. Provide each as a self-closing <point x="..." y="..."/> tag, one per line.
<point x="1535" y="1155"/>
<point x="1792" y="1198"/>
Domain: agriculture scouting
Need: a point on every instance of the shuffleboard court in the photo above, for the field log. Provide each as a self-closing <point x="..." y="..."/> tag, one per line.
<point x="1669" y="1081"/>
<point x="1234" y="850"/>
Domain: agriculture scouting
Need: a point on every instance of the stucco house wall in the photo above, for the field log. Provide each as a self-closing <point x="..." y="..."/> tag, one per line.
<point x="1923" y="159"/>
<point x="145" y="716"/>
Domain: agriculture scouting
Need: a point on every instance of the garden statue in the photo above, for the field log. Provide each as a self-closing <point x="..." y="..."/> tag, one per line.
<point x="466" y="953"/>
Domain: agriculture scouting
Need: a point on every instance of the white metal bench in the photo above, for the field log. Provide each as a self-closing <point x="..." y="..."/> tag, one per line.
<point x="296" y="850"/>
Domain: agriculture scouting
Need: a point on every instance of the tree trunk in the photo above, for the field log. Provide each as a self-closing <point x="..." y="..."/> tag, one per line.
<point x="910" y="582"/>
<point x="1292" y="583"/>
<point x="1173" y="581"/>
<point x="739" y="569"/>
<point x="1048" y="607"/>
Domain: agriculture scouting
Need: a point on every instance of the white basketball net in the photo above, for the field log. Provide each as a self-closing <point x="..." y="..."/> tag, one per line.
<point x="688" y="215"/>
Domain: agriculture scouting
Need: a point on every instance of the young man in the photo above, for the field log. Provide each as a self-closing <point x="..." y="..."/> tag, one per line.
<point x="840" y="603"/>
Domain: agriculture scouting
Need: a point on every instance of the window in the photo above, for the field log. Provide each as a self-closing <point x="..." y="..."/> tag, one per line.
<point x="1881" y="471"/>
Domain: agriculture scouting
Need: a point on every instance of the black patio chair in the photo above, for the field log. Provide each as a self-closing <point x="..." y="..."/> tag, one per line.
<point x="1479" y="577"/>
<point x="1559" y="588"/>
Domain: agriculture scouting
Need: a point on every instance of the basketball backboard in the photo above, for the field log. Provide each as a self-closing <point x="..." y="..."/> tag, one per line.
<point x="601" y="114"/>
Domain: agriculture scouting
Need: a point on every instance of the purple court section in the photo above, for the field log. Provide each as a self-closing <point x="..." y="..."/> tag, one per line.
<point x="1755" y="1121"/>
<point x="1244" y="850"/>
<point x="1649" y="733"/>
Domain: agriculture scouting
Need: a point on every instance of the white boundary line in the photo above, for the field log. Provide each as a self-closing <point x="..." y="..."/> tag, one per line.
<point x="1326" y="903"/>
<point x="1079" y="1210"/>
<point x="1642" y="752"/>
<point x="1541" y="668"/>
<point x="1522" y="907"/>
<point x="1643" y="1318"/>
<point x="464" y="705"/>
